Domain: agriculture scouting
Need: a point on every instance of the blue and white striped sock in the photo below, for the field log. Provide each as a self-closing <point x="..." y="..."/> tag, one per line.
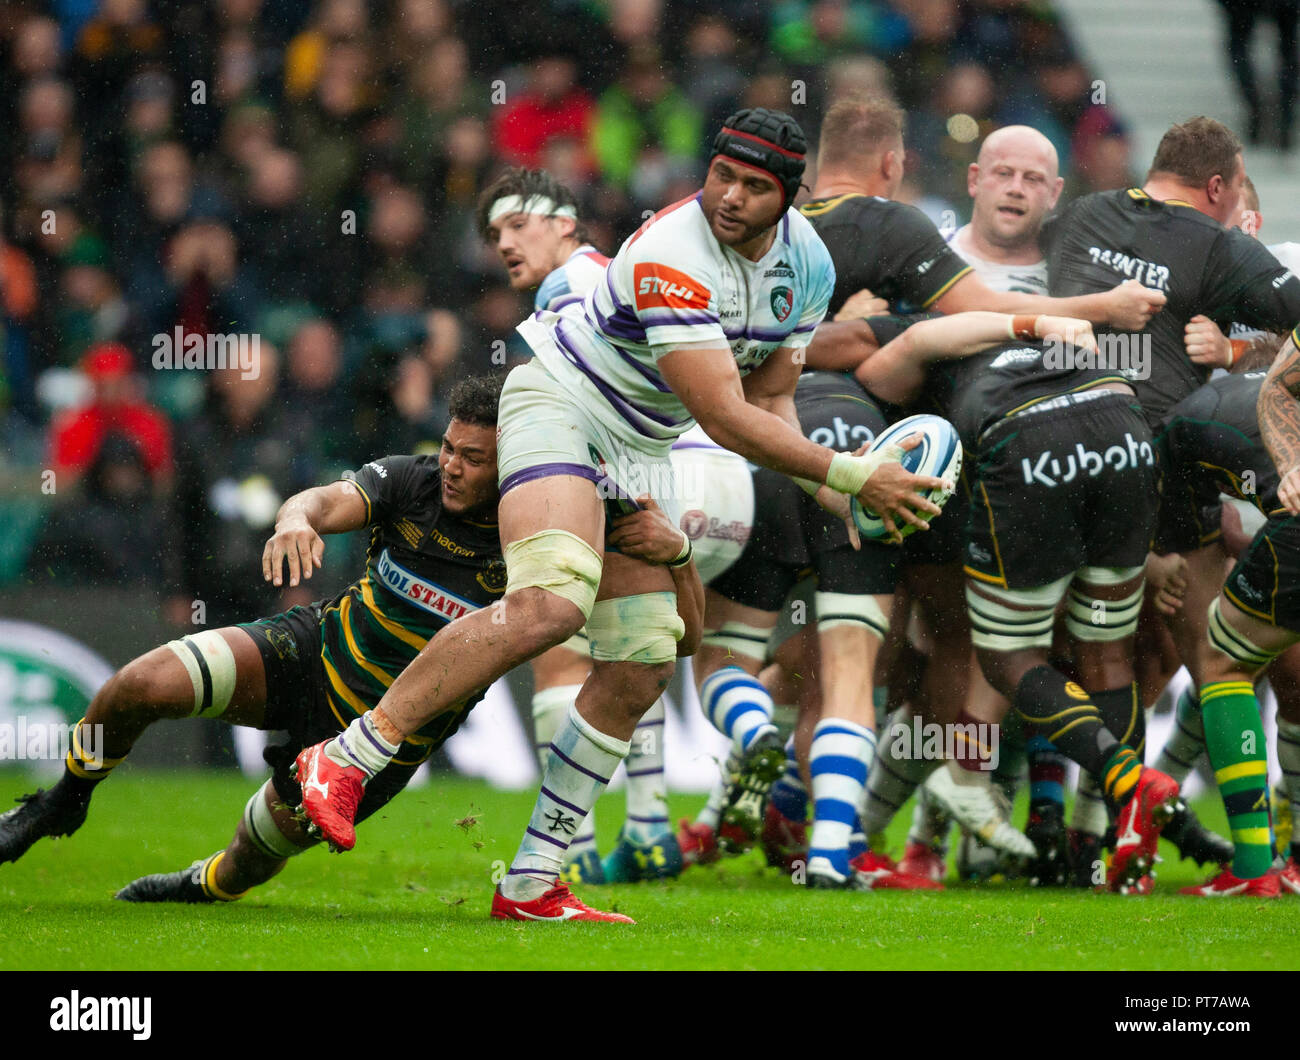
<point x="789" y="795"/>
<point x="647" y="791"/>
<point x="738" y="705"/>
<point x="839" y="762"/>
<point x="581" y="762"/>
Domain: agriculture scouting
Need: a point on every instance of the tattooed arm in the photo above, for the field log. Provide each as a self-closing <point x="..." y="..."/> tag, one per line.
<point x="1279" y="421"/>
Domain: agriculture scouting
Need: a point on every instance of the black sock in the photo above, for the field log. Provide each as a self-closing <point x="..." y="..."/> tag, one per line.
<point x="1061" y="711"/>
<point x="1122" y="713"/>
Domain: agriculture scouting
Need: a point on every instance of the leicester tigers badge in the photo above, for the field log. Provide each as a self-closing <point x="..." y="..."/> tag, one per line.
<point x="782" y="302"/>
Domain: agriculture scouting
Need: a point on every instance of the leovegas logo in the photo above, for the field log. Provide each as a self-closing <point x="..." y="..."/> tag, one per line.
<point x="663" y="287"/>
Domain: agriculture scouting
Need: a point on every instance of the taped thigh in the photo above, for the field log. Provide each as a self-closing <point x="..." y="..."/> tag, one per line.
<point x="1235" y="644"/>
<point x="1089" y="618"/>
<point x="262" y="829"/>
<point x="1007" y="620"/>
<point x="851" y="609"/>
<point x="643" y="628"/>
<point x="557" y="561"/>
<point x="208" y="660"/>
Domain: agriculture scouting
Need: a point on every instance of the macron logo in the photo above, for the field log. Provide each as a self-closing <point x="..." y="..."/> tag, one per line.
<point x="77" y="1013"/>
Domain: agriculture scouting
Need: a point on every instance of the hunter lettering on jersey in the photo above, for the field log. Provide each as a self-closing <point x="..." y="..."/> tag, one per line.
<point x="661" y="286"/>
<point x="1148" y="273"/>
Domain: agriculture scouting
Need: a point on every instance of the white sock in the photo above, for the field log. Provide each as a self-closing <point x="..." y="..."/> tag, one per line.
<point x="550" y="711"/>
<point x="580" y="765"/>
<point x="647" y="790"/>
<point x="712" y="812"/>
<point x="1090" y="814"/>
<point x="839" y="762"/>
<point x="1186" y="742"/>
<point x="893" y="778"/>
<point x="361" y="745"/>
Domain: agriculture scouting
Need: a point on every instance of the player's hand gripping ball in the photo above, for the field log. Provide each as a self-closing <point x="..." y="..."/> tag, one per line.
<point x="939" y="454"/>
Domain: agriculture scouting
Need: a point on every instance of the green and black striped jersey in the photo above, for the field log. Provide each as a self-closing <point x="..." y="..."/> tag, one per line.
<point x="425" y="568"/>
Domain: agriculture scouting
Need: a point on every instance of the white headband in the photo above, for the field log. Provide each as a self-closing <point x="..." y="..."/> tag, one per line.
<point x="536" y="204"/>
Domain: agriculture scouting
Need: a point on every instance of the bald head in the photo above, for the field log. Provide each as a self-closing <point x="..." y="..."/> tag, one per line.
<point x="1014" y="185"/>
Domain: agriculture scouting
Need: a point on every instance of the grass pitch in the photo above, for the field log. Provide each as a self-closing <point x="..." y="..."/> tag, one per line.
<point x="415" y="895"/>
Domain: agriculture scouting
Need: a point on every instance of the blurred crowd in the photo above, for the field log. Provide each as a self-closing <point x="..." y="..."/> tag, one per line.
<point x="305" y="171"/>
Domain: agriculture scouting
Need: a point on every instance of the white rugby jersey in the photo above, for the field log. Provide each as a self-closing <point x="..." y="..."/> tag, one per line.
<point x="673" y="283"/>
<point x="1026" y="279"/>
<point x="570" y="283"/>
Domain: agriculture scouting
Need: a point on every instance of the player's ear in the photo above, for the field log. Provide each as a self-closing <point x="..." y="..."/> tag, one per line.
<point x="972" y="178"/>
<point x="1056" y="192"/>
<point x="567" y="226"/>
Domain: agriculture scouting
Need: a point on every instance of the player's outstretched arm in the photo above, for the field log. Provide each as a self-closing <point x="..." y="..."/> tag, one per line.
<point x="333" y="509"/>
<point x="1279" y="421"/>
<point x="708" y="383"/>
<point x="897" y="371"/>
<point x="1128" y="306"/>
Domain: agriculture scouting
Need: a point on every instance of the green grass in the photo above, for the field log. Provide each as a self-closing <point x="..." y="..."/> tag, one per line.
<point x="415" y="894"/>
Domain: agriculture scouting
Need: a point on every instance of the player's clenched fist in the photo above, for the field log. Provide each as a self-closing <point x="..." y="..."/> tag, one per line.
<point x="1206" y="344"/>
<point x="1133" y="305"/>
<point x="296" y="542"/>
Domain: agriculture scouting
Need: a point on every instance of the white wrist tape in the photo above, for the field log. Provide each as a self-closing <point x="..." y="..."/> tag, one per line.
<point x="849" y="473"/>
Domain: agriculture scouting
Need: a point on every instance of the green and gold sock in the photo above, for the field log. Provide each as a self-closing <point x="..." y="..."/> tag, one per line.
<point x="1234" y="738"/>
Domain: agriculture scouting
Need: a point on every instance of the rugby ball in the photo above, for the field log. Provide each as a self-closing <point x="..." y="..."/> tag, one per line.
<point x="939" y="454"/>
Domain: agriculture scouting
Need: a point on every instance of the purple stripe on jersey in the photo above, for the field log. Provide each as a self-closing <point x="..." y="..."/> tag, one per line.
<point x="537" y="874"/>
<point x="785" y="227"/>
<point x="568" y="299"/>
<point x="803" y="327"/>
<point x="554" y="842"/>
<point x="649" y="375"/>
<point x="581" y="769"/>
<point x="645" y="820"/>
<point x="619" y="326"/>
<point x="757" y="334"/>
<point x="642" y="773"/>
<point x="699" y="445"/>
<point x="567" y="805"/>
<point x="620" y="404"/>
<point x="647" y="724"/>
<point x="528" y="474"/>
<point x="658" y="318"/>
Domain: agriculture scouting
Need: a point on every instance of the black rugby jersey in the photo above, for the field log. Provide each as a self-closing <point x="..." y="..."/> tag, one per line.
<point x="1203" y="268"/>
<point x="975" y="392"/>
<point x="1210" y="443"/>
<point x="888" y="247"/>
<point x="424" y="568"/>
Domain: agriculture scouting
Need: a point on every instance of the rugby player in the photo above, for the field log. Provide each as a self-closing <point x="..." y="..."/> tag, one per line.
<point x="702" y="317"/>
<point x="894" y="251"/>
<point x="1170" y="234"/>
<point x="850" y="608"/>
<point x="433" y="555"/>
<point x="1252" y="621"/>
<point x="1211" y="444"/>
<point x="1060" y="453"/>
<point x="531" y="219"/>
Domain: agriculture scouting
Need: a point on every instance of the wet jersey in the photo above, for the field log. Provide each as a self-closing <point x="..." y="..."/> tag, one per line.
<point x="671" y="284"/>
<point x="890" y="248"/>
<point x="1203" y="268"/>
<point x="424" y="568"/>
<point x="976" y="392"/>
<point x="1024" y="279"/>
